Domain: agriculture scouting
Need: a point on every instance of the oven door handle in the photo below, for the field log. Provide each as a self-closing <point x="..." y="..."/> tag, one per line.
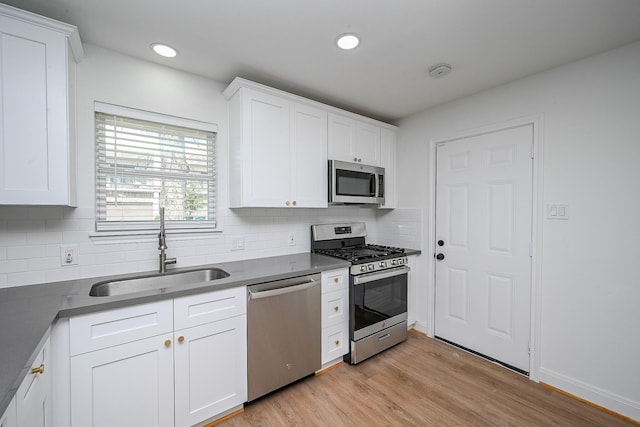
<point x="371" y="277"/>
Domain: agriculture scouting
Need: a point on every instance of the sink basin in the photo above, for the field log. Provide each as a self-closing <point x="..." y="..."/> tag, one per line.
<point x="157" y="281"/>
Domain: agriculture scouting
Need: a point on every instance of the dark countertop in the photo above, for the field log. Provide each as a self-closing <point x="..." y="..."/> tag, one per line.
<point x="27" y="312"/>
<point x="410" y="252"/>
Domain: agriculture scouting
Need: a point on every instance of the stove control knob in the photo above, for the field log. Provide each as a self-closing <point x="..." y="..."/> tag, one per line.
<point x="394" y="262"/>
<point x="363" y="268"/>
<point x="371" y="267"/>
<point x="383" y="264"/>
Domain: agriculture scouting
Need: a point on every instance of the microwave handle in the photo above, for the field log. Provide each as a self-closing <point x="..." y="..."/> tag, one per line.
<point x="373" y="185"/>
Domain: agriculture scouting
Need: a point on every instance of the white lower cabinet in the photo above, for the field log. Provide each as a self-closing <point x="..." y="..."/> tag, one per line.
<point x="335" y="315"/>
<point x="210" y="364"/>
<point x="33" y="398"/>
<point x="179" y="377"/>
<point x="125" y="385"/>
<point x="8" y="419"/>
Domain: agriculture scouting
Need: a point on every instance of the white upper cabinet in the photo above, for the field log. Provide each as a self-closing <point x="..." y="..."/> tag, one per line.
<point x="351" y="140"/>
<point x="279" y="144"/>
<point x="37" y="111"/>
<point x="278" y="151"/>
<point x="388" y="162"/>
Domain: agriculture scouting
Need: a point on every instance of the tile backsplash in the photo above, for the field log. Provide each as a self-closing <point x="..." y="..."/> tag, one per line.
<point x="400" y="227"/>
<point x="31" y="239"/>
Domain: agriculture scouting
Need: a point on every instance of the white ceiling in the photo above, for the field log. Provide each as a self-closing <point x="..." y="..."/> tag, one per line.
<point x="289" y="44"/>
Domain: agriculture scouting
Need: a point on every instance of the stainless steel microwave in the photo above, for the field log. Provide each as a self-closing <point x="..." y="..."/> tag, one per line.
<point x="354" y="183"/>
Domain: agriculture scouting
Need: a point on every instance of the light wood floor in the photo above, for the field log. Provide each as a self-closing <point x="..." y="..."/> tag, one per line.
<point x="421" y="382"/>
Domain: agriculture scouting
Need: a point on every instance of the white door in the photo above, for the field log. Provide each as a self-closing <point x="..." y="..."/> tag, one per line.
<point x="483" y="237"/>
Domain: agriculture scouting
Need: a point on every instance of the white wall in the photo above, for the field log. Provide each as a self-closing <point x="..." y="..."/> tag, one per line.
<point x="590" y="282"/>
<point x="30" y="237"/>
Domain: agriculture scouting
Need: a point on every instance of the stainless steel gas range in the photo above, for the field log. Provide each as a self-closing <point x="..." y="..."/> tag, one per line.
<point x="377" y="287"/>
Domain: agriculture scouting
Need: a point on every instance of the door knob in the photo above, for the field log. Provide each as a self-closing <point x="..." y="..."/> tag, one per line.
<point x="440" y="257"/>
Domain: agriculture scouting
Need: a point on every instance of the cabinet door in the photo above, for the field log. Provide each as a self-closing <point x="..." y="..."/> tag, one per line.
<point x="351" y="140"/>
<point x="309" y="156"/>
<point x="388" y="162"/>
<point x="335" y="308"/>
<point x="340" y="137"/>
<point x="34" y="138"/>
<point x="366" y="143"/>
<point x="126" y="385"/>
<point x="335" y="343"/>
<point x="8" y="419"/>
<point x="266" y="161"/>
<point x="33" y="398"/>
<point x="211" y="369"/>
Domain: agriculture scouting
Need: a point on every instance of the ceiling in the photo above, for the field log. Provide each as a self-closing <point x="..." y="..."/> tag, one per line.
<point x="289" y="44"/>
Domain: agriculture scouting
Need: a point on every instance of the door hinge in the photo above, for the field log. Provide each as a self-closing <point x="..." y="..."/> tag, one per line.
<point x="530" y="250"/>
<point x="532" y="150"/>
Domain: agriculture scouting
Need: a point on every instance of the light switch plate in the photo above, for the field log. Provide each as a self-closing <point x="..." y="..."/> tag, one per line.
<point x="557" y="211"/>
<point x="237" y="243"/>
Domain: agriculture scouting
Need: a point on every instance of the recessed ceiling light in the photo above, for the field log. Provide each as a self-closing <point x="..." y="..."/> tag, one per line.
<point x="348" y="41"/>
<point x="164" y="50"/>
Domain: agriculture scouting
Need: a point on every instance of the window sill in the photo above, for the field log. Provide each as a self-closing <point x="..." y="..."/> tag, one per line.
<point x="142" y="236"/>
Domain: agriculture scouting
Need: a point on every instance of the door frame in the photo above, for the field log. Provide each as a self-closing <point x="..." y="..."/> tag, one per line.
<point x="536" y="234"/>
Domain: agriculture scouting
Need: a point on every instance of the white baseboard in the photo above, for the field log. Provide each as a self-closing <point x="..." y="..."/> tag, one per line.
<point x="420" y="327"/>
<point x="593" y="394"/>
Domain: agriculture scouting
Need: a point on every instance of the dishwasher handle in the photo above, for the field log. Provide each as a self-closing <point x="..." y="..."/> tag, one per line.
<point x="279" y="291"/>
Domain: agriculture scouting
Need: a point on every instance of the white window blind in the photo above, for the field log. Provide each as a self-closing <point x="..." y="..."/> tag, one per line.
<point x="142" y="165"/>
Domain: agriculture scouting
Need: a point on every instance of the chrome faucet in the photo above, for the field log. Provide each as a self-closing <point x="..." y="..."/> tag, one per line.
<point x="162" y="246"/>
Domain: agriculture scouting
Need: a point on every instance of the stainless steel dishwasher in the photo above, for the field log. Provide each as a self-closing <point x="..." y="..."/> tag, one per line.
<point x="283" y="333"/>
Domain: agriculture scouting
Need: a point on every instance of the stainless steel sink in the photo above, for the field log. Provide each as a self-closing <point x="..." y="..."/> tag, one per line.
<point x="157" y="281"/>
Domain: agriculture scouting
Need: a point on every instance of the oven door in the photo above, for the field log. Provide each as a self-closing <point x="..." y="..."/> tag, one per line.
<point x="378" y="301"/>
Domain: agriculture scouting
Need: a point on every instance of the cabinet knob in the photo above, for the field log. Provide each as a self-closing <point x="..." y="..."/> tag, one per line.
<point x="355" y="159"/>
<point x="359" y="160"/>
<point x="336" y="308"/>
<point x="335" y="279"/>
<point x="337" y="342"/>
<point x="38" y="370"/>
<point x="167" y="343"/>
<point x="287" y="203"/>
<point x="180" y="339"/>
<point x="294" y="203"/>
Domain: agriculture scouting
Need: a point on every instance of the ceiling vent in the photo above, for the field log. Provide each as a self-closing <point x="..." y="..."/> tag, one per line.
<point x="439" y="70"/>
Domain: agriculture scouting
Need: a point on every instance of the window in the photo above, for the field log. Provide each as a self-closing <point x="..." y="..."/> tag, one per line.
<point x="145" y="161"/>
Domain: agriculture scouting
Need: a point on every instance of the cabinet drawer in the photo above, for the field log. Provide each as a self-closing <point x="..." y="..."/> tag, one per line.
<point x="104" y="329"/>
<point x="335" y="308"/>
<point x="335" y="280"/>
<point x="199" y="309"/>
<point x="335" y="342"/>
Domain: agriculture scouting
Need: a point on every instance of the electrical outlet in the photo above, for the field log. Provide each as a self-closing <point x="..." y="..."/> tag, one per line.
<point x="68" y="255"/>
<point x="291" y="238"/>
<point x="237" y="243"/>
